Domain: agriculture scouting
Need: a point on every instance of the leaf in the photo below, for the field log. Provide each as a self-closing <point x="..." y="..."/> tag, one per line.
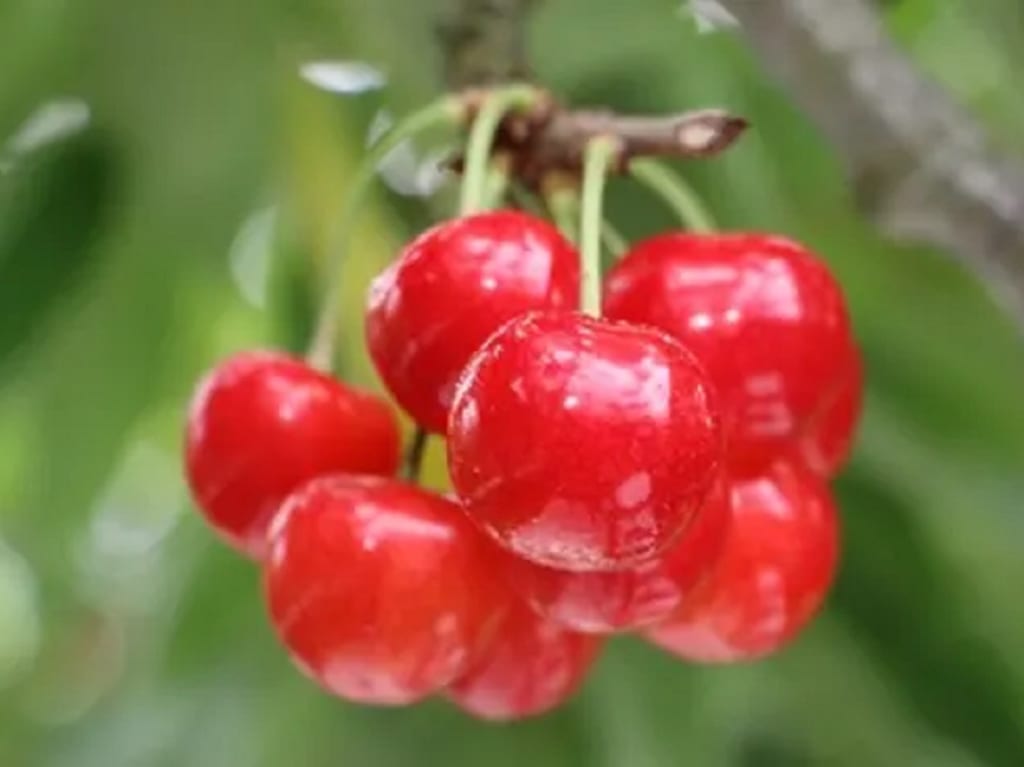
<point x="901" y="603"/>
<point x="53" y="206"/>
<point x="709" y="15"/>
<point x="343" y="77"/>
<point x="51" y="122"/>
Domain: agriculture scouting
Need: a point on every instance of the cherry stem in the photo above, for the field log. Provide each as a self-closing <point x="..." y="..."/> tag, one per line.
<point x="495" y="106"/>
<point x="675" y="192"/>
<point x="496" y="185"/>
<point x="445" y="111"/>
<point x="613" y="239"/>
<point x="414" y="455"/>
<point x="597" y="160"/>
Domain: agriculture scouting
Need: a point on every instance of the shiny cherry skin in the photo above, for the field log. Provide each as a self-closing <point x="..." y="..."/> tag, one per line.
<point x="531" y="667"/>
<point x="776" y="568"/>
<point x="382" y="592"/>
<point x="261" y="424"/>
<point x="452" y="287"/>
<point x="826" y="439"/>
<point x="763" y="315"/>
<point x="583" y="444"/>
<point x="609" y="602"/>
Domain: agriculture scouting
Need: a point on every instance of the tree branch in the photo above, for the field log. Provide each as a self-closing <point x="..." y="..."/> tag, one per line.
<point x="695" y="134"/>
<point x="551" y="139"/>
<point x="484" y="41"/>
<point x="920" y="164"/>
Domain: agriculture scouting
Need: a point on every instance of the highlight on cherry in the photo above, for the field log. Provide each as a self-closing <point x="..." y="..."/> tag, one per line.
<point x="641" y="449"/>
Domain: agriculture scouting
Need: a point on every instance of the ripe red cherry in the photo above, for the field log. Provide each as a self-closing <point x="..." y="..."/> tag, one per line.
<point x="262" y="423"/>
<point x="776" y="568"/>
<point x="607" y="602"/>
<point x="451" y="288"/>
<point x="825" y="441"/>
<point x="762" y="314"/>
<point x="382" y="592"/>
<point x="583" y="444"/>
<point x="531" y="667"/>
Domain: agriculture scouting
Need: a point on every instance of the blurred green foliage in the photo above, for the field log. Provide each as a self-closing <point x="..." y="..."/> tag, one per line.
<point x="190" y="217"/>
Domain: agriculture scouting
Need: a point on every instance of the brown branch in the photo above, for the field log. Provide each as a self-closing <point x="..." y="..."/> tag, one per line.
<point x="484" y="41"/>
<point x="560" y="141"/>
<point x="920" y="164"/>
<point x="551" y="140"/>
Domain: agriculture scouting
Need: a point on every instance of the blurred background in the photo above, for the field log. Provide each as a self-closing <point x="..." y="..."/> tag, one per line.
<point x="169" y="172"/>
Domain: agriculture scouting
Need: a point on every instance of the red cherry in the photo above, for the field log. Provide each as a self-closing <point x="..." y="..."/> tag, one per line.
<point x="452" y="287"/>
<point x="607" y="602"/>
<point x="531" y="667"/>
<point x="762" y="314"/>
<point x="776" y="568"/>
<point x="826" y="439"/>
<point x="381" y="591"/>
<point x="583" y="444"/>
<point x="262" y="423"/>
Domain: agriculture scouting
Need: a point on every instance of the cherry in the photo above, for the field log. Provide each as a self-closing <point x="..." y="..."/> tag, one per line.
<point x="826" y="439"/>
<point x="606" y="602"/>
<point x="583" y="444"/>
<point x="451" y="288"/>
<point x="381" y="591"/>
<point x="262" y="423"/>
<point x="772" y="576"/>
<point x="763" y="315"/>
<point x="532" y="666"/>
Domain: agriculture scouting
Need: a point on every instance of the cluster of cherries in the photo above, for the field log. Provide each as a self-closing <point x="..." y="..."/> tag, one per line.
<point x="661" y="468"/>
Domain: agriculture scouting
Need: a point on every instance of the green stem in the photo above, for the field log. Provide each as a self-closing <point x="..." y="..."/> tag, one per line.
<point x="481" y="136"/>
<point x="676" y="193"/>
<point x="444" y="111"/>
<point x="495" y="186"/>
<point x="597" y="161"/>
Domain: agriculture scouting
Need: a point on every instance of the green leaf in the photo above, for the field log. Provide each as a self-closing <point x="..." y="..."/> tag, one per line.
<point x="54" y="203"/>
<point x="902" y="604"/>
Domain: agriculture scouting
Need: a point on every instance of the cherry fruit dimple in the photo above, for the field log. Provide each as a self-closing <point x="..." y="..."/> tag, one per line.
<point x="382" y="592"/>
<point x="608" y="602"/>
<point x="263" y="423"/>
<point x="451" y="288"/>
<point x="532" y="666"/>
<point x="583" y="444"/>
<point x="762" y="314"/>
<point x="772" y="576"/>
